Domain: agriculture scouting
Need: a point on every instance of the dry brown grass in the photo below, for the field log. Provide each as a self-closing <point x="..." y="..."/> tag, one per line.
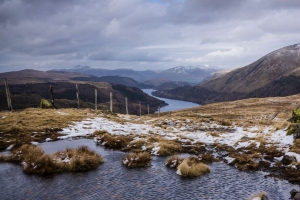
<point x="256" y="111"/>
<point x="81" y="159"/>
<point x="173" y="161"/>
<point x="36" y="161"/>
<point x="207" y="158"/>
<point x="246" y="162"/>
<point x="112" y="141"/>
<point x="134" y="160"/>
<point x="296" y="146"/>
<point x="137" y="145"/>
<point x="169" y="147"/>
<point x="192" y="167"/>
<point x="34" y="124"/>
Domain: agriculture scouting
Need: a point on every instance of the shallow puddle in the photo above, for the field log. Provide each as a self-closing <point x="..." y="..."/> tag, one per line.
<point x="111" y="180"/>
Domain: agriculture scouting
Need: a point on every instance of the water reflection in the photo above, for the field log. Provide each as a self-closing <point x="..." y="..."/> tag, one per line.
<point x="113" y="181"/>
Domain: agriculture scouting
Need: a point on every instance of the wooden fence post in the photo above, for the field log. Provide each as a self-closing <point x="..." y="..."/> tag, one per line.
<point x="158" y="111"/>
<point x="140" y="108"/>
<point x="96" y="104"/>
<point x="126" y="104"/>
<point x="52" y="97"/>
<point x="77" y="95"/>
<point x="111" y="102"/>
<point x="148" y="109"/>
<point x="8" y="95"/>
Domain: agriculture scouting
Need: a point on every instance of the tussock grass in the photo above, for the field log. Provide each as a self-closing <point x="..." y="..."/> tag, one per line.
<point x="138" y="145"/>
<point x="296" y="146"/>
<point x="259" y="196"/>
<point x="79" y="159"/>
<point x="207" y="158"/>
<point x="112" y="141"/>
<point x="169" y="147"/>
<point x="225" y="122"/>
<point x="36" y="161"/>
<point x="134" y="160"/>
<point x="192" y="167"/>
<point x="173" y="161"/>
<point x="246" y="162"/>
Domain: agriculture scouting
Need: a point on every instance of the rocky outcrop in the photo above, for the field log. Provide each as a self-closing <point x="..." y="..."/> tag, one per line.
<point x="286" y="160"/>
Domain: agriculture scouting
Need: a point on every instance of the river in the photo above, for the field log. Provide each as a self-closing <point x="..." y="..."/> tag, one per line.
<point x="173" y="104"/>
<point x="111" y="180"/>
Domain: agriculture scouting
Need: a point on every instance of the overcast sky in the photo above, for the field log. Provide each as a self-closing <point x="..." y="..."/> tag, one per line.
<point x="143" y="34"/>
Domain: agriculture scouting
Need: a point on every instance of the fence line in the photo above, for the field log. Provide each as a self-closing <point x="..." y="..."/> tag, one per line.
<point x="8" y="95"/>
<point x="96" y="104"/>
<point x="77" y="95"/>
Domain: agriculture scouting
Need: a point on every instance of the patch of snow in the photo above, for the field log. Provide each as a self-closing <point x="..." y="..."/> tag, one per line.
<point x="34" y="143"/>
<point x="3" y="117"/>
<point x="155" y="149"/>
<point x="48" y="139"/>
<point x="10" y="147"/>
<point x="61" y="113"/>
<point x="125" y="161"/>
<point x="144" y="148"/>
<point x="281" y="138"/>
<point x="229" y="159"/>
<point x="278" y="158"/>
<point x="242" y="144"/>
<point x="297" y="156"/>
<point x="178" y="172"/>
<point x="256" y="198"/>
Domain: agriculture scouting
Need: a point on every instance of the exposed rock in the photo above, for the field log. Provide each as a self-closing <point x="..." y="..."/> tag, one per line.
<point x="286" y="160"/>
<point x="264" y="197"/>
<point x="295" y="195"/>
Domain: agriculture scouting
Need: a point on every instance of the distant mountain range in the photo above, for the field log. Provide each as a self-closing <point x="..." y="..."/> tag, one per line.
<point x="276" y="74"/>
<point x="139" y="76"/>
<point x="191" y="74"/>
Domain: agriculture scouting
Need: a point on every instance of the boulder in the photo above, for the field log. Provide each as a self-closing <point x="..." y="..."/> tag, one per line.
<point x="286" y="160"/>
<point x="264" y="197"/>
<point x="295" y="195"/>
<point x="45" y="104"/>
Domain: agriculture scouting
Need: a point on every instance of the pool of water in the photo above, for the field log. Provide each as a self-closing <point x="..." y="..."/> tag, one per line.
<point x="112" y="180"/>
<point x="173" y="104"/>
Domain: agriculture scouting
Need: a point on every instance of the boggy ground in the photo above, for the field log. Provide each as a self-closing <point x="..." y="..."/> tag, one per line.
<point x="249" y="134"/>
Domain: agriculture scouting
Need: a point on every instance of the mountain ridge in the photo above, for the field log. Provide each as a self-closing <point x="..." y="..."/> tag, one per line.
<point x="254" y="80"/>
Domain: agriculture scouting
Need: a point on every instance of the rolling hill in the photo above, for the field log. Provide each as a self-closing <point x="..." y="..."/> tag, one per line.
<point x="276" y="74"/>
<point x="28" y="87"/>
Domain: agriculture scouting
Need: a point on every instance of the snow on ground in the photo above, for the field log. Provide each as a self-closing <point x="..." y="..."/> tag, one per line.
<point x="236" y="137"/>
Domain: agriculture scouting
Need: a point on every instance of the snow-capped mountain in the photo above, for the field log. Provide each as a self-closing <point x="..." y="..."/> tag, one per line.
<point x="275" y="74"/>
<point x="189" y="69"/>
<point x="191" y="74"/>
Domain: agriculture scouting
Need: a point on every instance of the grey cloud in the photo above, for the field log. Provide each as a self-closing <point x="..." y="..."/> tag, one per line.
<point x="119" y="33"/>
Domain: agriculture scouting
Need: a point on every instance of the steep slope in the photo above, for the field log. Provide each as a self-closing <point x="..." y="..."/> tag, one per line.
<point x="258" y="74"/>
<point x="275" y="74"/>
